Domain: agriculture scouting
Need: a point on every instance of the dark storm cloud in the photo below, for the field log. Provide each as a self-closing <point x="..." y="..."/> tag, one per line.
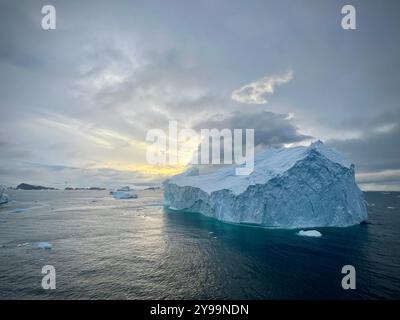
<point x="270" y="129"/>
<point x="367" y="122"/>
<point x="373" y="151"/>
<point x="377" y="146"/>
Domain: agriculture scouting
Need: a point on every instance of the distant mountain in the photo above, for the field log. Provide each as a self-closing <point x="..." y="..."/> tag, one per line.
<point x="26" y="186"/>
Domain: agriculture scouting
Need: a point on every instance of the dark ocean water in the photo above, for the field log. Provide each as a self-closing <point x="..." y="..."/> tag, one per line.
<point x="135" y="249"/>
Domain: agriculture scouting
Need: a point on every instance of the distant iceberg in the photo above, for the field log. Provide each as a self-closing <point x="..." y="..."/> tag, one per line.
<point x="298" y="187"/>
<point x="25" y="244"/>
<point x="124" y="195"/>
<point x="44" y="245"/>
<point x="3" y="196"/>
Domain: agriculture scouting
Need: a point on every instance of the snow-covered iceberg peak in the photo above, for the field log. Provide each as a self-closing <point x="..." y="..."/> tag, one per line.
<point x="329" y="153"/>
<point x="289" y="187"/>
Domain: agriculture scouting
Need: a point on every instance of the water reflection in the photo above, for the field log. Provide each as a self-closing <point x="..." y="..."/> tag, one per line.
<point x="104" y="248"/>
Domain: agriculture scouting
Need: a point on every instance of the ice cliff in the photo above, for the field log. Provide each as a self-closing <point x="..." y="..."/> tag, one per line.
<point x="296" y="187"/>
<point x="3" y="196"/>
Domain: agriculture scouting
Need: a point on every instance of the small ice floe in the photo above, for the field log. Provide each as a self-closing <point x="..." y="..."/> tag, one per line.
<point x="370" y="204"/>
<point x="124" y="195"/>
<point x="310" y="233"/>
<point x="44" y="245"/>
<point x="391" y="208"/>
<point x="18" y="210"/>
<point x="173" y="208"/>
<point x="25" y="244"/>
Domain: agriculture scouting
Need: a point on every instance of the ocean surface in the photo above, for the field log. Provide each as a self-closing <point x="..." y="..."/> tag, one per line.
<point x="104" y="248"/>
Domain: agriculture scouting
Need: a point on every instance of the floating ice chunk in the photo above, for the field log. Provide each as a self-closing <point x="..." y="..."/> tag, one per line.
<point x="173" y="208"/>
<point x="391" y="207"/>
<point x="310" y="233"/>
<point x="124" y="195"/>
<point x="44" y="245"/>
<point x="25" y="244"/>
<point x="3" y="196"/>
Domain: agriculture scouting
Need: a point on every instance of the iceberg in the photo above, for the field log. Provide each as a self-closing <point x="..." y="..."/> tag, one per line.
<point x="298" y="187"/>
<point x="310" y="233"/>
<point x="44" y="245"/>
<point x="123" y="195"/>
<point x="3" y="196"/>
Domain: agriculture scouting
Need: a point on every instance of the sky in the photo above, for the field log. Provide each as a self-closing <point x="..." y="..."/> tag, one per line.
<point x="77" y="102"/>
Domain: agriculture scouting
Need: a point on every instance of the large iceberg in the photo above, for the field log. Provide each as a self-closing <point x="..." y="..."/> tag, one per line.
<point x="299" y="187"/>
<point x="3" y="196"/>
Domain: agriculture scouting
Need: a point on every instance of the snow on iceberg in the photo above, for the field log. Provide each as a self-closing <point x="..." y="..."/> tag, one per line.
<point x="124" y="195"/>
<point x="299" y="187"/>
<point x="310" y="233"/>
<point x="3" y="196"/>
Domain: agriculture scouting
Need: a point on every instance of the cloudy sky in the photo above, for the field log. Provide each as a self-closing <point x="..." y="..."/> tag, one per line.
<point x="76" y="102"/>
